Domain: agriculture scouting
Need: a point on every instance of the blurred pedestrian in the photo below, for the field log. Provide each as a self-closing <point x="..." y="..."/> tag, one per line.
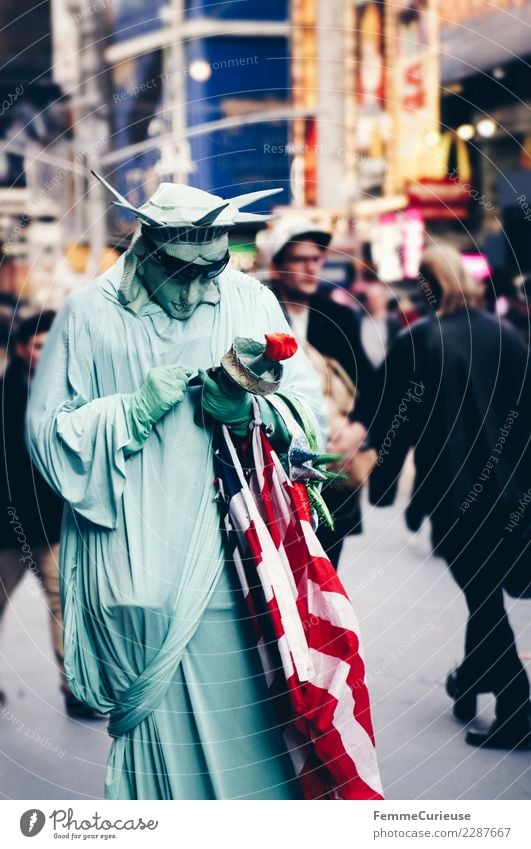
<point x="407" y="311"/>
<point x="519" y="307"/>
<point x="330" y="335"/>
<point x="31" y="519"/>
<point x="457" y="389"/>
<point x="11" y="310"/>
<point x="378" y="326"/>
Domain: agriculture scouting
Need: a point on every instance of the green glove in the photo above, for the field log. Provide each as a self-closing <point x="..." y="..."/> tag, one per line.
<point x="226" y="402"/>
<point x="164" y="387"/>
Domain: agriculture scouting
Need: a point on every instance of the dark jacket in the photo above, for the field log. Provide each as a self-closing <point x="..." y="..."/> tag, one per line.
<point x="334" y="331"/>
<point x="27" y="502"/>
<point x="458" y="390"/>
<point x="393" y="329"/>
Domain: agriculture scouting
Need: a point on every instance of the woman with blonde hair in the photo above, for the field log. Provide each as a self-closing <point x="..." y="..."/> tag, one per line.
<point x="457" y="389"/>
<point x="445" y="282"/>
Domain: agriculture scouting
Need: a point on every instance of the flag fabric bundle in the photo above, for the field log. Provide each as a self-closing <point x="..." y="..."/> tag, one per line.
<point x="305" y="627"/>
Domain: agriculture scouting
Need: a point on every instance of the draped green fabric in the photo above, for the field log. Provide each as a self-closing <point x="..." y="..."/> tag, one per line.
<point x="155" y="628"/>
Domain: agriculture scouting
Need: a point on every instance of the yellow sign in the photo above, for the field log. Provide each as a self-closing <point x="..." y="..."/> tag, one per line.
<point x="415" y="80"/>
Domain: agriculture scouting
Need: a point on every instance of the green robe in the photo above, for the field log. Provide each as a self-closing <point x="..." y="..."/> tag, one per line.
<point x="155" y="627"/>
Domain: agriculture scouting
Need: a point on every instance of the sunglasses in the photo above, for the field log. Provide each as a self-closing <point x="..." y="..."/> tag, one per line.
<point x="181" y="269"/>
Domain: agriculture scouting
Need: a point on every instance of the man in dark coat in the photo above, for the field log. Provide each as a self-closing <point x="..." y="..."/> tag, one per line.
<point x="457" y="388"/>
<point x="297" y="251"/>
<point x="30" y="520"/>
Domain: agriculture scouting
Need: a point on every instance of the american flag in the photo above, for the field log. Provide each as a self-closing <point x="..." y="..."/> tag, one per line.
<point x="304" y="624"/>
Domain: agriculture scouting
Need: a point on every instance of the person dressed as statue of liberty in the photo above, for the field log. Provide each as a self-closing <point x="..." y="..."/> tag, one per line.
<point x="155" y="631"/>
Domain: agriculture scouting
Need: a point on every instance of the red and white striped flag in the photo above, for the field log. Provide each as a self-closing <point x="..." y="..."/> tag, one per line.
<point x="305" y="627"/>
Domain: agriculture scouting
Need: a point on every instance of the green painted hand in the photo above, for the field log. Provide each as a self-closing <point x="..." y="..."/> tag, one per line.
<point x="226" y="402"/>
<point x="163" y="388"/>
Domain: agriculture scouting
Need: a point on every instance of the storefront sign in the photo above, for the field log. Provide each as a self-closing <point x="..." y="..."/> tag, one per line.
<point x="414" y="71"/>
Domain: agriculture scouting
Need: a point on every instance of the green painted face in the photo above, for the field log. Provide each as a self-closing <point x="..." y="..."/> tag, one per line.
<point x="176" y="281"/>
<point x="178" y="297"/>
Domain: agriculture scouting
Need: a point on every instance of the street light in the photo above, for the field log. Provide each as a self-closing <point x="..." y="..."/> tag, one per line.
<point x="200" y="71"/>
<point x="466" y="132"/>
<point x="432" y="138"/>
<point x="486" y="127"/>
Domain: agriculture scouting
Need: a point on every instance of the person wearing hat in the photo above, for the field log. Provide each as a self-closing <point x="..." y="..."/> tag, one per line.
<point x="330" y="333"/>
<point x="156" y="634"/>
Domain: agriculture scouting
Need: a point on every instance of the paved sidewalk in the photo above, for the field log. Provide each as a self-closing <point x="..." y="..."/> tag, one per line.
<point x="43" y="753"/>
<point x="412" y="617"/>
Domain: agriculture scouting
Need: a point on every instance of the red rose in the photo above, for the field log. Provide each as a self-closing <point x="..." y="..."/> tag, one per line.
<point x="280" y="346"/>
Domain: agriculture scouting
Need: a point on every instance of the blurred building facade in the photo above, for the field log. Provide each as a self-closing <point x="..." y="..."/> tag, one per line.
<point x="393" y="122"/>
<point x="486" y="78"/>
<point x="200" y="91"/>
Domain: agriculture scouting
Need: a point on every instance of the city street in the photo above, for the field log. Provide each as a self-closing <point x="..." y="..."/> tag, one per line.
<point x="412" y="619"/>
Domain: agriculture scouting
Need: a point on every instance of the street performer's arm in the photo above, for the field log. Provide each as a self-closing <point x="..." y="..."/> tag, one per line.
<point x="78" y="440"/>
